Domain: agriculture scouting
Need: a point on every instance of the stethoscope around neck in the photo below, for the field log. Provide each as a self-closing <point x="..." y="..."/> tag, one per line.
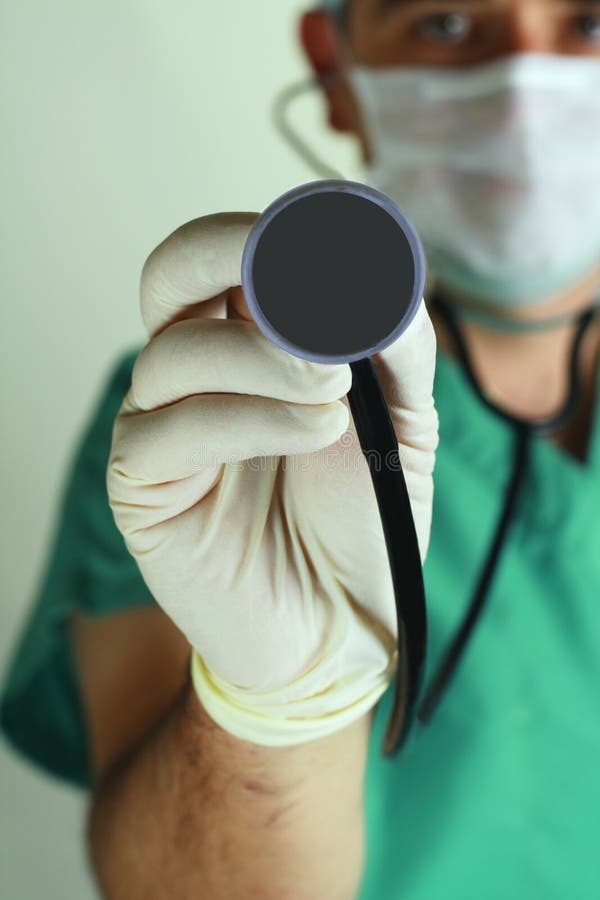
<point x="523" y="431"/>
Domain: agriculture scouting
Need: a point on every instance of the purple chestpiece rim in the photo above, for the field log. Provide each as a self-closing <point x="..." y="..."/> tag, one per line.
<point x="333" y="271"/>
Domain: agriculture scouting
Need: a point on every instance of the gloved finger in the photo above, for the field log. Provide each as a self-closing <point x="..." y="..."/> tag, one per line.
<point x="205" y="430"/>
<point x="406" y="371"/>
<point x="199" y="356"/>
<point x="196" y="263"/>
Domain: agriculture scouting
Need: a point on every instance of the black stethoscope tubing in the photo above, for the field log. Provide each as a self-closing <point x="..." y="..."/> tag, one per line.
<point x="379" y="444"/>
<point x="524" y="429"/>
<point x="376" y="433"/>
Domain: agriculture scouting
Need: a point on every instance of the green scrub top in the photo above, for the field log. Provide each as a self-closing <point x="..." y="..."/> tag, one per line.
<point x="499" y="796"/>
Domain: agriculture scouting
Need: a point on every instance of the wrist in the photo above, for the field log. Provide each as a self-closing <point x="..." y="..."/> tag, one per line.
<point x="272" y="719"/>
<point x="281" y="767"/>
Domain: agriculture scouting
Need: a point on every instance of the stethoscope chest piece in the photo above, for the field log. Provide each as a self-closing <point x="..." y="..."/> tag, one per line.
<point x="333" y="272"/>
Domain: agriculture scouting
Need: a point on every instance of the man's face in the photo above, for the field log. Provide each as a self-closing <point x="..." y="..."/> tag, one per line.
<point x="460" y="34"/>
<point x="445" y="33"/>
<point x="467" y="32"/>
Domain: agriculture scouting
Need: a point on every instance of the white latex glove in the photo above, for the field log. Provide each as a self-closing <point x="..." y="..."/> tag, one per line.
<point x="237" y="480"/>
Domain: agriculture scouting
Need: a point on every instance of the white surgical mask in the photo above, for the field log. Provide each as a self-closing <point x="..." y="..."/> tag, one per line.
<point x="497" y="166"/>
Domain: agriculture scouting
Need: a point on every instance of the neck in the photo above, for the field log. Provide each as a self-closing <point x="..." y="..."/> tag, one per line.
<point x="526" y="371"/>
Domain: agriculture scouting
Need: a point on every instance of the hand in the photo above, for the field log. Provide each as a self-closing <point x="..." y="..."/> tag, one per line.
<point x="237" y="480"/>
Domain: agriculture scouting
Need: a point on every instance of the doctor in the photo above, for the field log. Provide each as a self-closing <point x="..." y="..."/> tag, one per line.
<point x="240" y="521"/>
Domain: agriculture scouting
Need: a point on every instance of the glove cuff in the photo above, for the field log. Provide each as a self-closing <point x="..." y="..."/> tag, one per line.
<point x="287" y="724"/>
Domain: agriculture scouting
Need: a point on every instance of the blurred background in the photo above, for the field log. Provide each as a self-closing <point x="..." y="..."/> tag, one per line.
<point x="120" y="121"/>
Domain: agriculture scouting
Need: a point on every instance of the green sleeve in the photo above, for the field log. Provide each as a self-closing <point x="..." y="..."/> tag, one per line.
<point x="87" y="568"/>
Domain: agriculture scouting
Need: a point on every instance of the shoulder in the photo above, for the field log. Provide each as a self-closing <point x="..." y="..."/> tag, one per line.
<point x="130" y="664"/>
<point x="93" y="633"/>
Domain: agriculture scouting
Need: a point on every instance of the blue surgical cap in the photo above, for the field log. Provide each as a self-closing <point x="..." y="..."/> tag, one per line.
<point x="332" y="6"/>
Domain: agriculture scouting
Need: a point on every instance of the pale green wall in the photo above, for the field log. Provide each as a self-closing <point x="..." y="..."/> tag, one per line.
<point x="119" y="121"/>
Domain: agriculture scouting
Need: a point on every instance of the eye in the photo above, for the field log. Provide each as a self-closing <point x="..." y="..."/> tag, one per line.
<point x="589" y="27"/>
<point x="449" y="29"/>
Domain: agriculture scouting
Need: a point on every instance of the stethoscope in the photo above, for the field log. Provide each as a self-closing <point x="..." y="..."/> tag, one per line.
<point x="308" y="273"/>
<point x="523" y="431"/>
<point x="333" y="272"/>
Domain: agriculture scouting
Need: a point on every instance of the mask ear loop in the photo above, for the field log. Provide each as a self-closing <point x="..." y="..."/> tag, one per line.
<point x="279" y="114"/>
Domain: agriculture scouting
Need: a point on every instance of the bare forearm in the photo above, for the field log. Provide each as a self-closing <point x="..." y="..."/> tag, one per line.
<point x="196" y="813"/>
